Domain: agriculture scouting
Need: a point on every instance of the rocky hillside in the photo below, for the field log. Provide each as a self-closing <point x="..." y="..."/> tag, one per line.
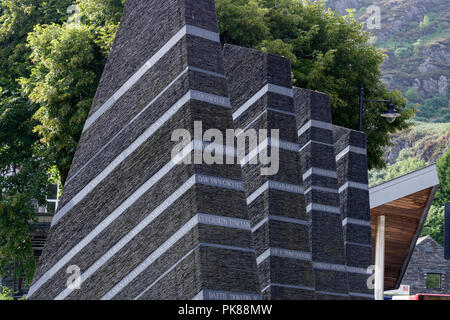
<point x="415" y="35"/>
<point x="424" y="141"/>
<point x="412" y="149"/>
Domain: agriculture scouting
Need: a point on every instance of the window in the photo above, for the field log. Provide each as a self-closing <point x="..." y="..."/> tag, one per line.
<point x="433" y="281"/>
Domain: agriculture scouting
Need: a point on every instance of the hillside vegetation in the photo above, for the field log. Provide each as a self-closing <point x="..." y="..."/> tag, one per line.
<point x="415" y="36"/>
<point x="421" y="145"/>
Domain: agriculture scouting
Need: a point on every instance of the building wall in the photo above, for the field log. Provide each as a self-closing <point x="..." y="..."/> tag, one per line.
<point x="428" y="257"/>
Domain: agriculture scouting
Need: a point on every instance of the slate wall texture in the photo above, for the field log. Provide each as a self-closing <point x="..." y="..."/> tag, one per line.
<point x="351" y="159"/>
<point x="262" y="98"/>
<point x="138" y="225"/>
<point x="318" y="163"/>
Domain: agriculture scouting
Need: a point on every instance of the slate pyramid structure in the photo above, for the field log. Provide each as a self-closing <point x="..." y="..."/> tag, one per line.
<point x="144" y="215"/>
<point x="317" y="154"/>
<point x="137" y="224"/>
<point x="351" y="162"/>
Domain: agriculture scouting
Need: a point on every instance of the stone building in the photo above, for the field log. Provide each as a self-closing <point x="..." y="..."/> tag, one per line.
<point x="428" y="272"/>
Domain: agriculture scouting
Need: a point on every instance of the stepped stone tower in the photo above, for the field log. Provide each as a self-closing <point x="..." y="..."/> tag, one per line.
<point x="317" y="155"/>
<point x="351" y="161"/>
<point x="262" y="98"/>
<point x="137" y="224"/>
<point x="145" y="213"/>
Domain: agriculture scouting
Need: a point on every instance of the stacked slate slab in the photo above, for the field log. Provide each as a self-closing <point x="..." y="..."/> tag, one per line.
<point x="262" y="98"/>
<point x="137" y="224"/>
<point x="351" y="161"/>
<point x="139" y="220"/>
<point x="317" y="154"/>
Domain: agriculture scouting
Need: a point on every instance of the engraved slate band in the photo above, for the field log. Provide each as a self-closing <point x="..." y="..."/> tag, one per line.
<point x="185" y="30"/>
<point x="200" y="218"/>
<point x="275" y="185"/>
<point x="191" y="94"/>
<point x="265" y="89"/>
<point x="225" y="183"/>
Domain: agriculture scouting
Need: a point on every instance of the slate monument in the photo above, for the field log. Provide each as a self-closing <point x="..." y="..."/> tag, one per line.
<point x="143" y="215"/>
<point x="135" y="223"/>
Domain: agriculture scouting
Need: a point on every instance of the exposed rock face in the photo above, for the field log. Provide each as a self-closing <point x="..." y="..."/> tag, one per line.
<point x="430" y="85"/>
<point x="341" y="5"/>
<point x="415" y="37"/>
<point x="443" y="86"/>
<point x="438" y="52"/>
<point x="421" y="141"/>
<point x="427" y="66"/>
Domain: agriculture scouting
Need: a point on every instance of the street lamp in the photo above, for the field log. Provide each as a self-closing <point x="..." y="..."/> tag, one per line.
<point x="390" y="115"/>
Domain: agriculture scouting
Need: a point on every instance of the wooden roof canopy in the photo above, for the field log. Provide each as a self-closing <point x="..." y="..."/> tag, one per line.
<point x="404" y="202"/>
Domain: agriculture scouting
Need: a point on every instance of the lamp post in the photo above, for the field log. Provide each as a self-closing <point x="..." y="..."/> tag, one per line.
<point x="390" y="115"/>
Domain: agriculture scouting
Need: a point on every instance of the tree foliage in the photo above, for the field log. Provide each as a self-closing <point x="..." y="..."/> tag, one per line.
<point x="404" y="165"/>
<point x="17" y="19"/>
<point x="23" y="159"/>
<point x="6" y="294"/>
<point x="435" y="223"/>
<point x="68" y="60"/>
<point x="434" y="109"/>
<point x="434" y="226"/>
<point x="443" y="194"/>
<point x="23" y="178"/>
<point x="63" y="81"/>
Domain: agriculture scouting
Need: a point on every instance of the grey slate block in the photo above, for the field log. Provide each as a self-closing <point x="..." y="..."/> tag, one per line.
<point x="250" y="73"/>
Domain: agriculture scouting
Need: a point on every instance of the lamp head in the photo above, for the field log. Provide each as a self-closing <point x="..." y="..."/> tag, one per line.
<point x="391" y="115"/>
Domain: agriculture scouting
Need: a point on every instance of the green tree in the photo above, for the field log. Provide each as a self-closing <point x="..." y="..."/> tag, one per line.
<point x="6" y="294"/>
<point x="434" y="226"/>
<point x="23" y="178"/>
<point x="17" y="19"/>
<point x="404" y="165"/>
<point x="412" y="94"/>
<point x="425" y="24"/>
<point x="68" y="61"/>
<point x="434" y="109"/>
<point x="23" y="164"/>
<point x="67" y="67"/>
<point x="443" y="193"/>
